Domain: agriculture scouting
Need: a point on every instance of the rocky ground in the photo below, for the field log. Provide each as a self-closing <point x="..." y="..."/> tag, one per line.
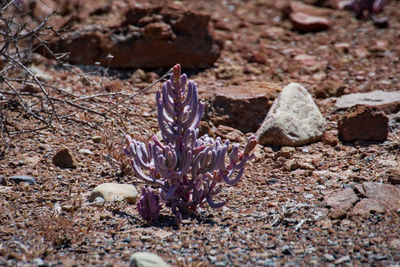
<point x="334" y="201"/>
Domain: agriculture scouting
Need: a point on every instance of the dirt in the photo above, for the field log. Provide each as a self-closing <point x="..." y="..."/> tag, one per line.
<point x="277" y="214"/>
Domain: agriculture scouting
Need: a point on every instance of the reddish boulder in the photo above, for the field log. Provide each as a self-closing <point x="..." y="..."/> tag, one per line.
<point x="363" y="123"/>
<point x="379" y="198"/>
<point x="148" y="38"/>
<point x="243" y="107"/>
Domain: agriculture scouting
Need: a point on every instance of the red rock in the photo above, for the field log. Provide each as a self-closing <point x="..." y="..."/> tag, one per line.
<point x="147" y="38"/>
<point x="310" y="63"/>
<point x="329" y="138"/>
<point x="388" y="195"/>
<point x="366" y="206"/>
<point x="204" y="128"/>
<point x="363" y="123"/>
<point x="230" y="133"/>
<point x="379" y="46"/>
<point x="376" y="197"/>
<point x="243" y="107"/>
<point x="306" y="23"/>
<point x="337" y="213"/>
<point x="343" y="200"/>
<point x="393" y="175"/>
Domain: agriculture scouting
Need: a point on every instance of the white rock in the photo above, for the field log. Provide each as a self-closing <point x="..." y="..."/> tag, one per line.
<point x="145" y="259"/>
<point x="293" y="120"/>
<point x="85" y="151"/>
<point x="115" y="192"/>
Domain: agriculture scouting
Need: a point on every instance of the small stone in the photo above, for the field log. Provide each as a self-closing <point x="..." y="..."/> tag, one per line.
<point x="363" y="123"/>
<point x="115" y="192"/>
<point x="307" y="23"/>
<point x="342" y="47"/>
<point x="393" y="175"/>
<point x="293" y="120"/>
<point x="343" y="199"/>
<point x="337" y="213"/>
<point x="64" y="158"/>
<point x="38" y="261"/>
<point x="3" y="181"/>
<point x="394" y="243"/>
<point x="146" y="259"/>
<point x="232" y="134"/>
<point x="330" y="138"/>
<point x="23" y="178"/>
<point x="379" y="46"/>
<point x="204" y="128"/>
<point x="342" y="259"/>
<point x="30" y="88"/>
<point x="227" y="72"/>
<point x="286" y="152"/>
<point x="86" y="152"/>
<point x="329" y="257"/>
<point x="309" y="196"/>
<point x="96" y="139"/>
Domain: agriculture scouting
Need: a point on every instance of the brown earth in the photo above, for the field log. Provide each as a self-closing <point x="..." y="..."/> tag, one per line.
<point x="282" y="212"/>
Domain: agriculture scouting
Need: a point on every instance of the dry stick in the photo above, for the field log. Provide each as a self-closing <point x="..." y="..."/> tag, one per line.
<point x="26" y="108"/>
<point x="60" y="100"/>
<point x="29" y="130"/>
<point x="140" y="92"/>
<point x="37" y="82"/>
<point x="99" y="95"/>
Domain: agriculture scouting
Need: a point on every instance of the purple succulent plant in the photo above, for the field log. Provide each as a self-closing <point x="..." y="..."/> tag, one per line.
<point x="149" y="204"/>
<point x="372" y="7"/>
<point x="189" y="170"/>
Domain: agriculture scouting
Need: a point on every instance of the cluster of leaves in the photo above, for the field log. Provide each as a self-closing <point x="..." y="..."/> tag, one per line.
<point x="189" y="170"/>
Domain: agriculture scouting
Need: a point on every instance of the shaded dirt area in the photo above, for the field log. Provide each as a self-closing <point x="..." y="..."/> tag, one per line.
<point x="278" y="214"/>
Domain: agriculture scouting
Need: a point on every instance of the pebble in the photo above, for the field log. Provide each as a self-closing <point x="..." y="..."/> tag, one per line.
<point x="96" y="139"/>
<point x="115" y="192"/>
<point x="342" y="259"/>
<point x="146" y="259"/>
<point x="309" y="196"/>
<point x="285" y="152"/>
<point x="85" y="152"/>
<point x="329" y="257"/>
<point x="306" y="23"/>
<point x="64" y="158"/>
<point x="23" y="178"/>
<point x="393" y="176"/>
